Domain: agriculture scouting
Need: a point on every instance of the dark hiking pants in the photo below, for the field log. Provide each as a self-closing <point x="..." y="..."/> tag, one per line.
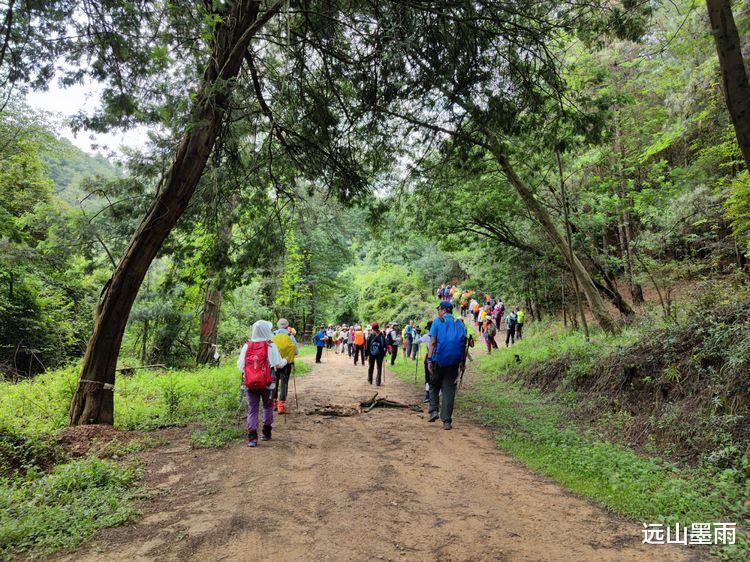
<point x="510" y="335"/>
<point x="318" y="353"/>
<point x="373" y="361"/>
<point x="282" y="381"/>
<point x="445" y="379"/>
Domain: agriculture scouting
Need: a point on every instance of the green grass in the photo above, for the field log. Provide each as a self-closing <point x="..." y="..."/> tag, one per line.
<point x="44" y="512"/>
<point x="538" y="430"/>
<point x="405" y="368"/>
<point x="48" y="502"/>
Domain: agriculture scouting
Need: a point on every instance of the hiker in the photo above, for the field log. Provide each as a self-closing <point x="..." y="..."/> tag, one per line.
<point x="497" y="313"/>
<point x="519" y="324"/>
<point x="445" y="353"/>
<point x="489" y="334"/>
<point x="350" y="341"/>
<point x="404" y="339"/>
<point x="482" y="317"/>
<point x="329" y="336"/>
<point x="320" y="341"/>
<point x="343" y="338"/>
<point x="375" y="353"/>
<point x="425" y="339"/>
<point x="415" y="343"/>
<point x="258" y="358"/>
<point x="393" y="341"/>
<point x="335" y="339"/>
<point x="474" y="310"/>
<point x="510" y="328"/>
<point x="410" y="333"/>
<point x="359" y="344"/>
<point x="288" y="348"/>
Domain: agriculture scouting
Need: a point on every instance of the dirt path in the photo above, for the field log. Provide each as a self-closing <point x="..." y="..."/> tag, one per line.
<point x="381" y="485"/>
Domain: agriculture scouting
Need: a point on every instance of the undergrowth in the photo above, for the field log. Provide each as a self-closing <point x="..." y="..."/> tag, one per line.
<point x="43" y="512"/>
<point x="49" y="501"/>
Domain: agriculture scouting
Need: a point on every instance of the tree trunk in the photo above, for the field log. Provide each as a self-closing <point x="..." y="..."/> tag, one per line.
<point x="93" y="401"/>
<point x="569" y="241"/>
<point x="623" y="218"/>
<point x="209" y="328"/>
<point x="733" y="72"/>
<point x="594" y="299"/>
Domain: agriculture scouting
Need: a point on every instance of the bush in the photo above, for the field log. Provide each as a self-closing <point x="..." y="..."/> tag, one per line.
<point x="21" y="453"/>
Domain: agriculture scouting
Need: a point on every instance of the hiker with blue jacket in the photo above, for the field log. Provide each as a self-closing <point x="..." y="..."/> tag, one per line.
<point x="444" y="355"/>
<point x="320" y="341"/>
<point x="376" y="349"/>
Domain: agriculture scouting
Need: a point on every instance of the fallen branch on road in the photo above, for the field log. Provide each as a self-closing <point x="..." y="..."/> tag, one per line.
<point x="339" y="410"/>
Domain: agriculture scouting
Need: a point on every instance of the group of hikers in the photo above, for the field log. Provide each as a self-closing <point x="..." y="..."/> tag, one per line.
<point x="267" y="359"/>
<point x="370" y="345"/>
<point x="487" y="317"/>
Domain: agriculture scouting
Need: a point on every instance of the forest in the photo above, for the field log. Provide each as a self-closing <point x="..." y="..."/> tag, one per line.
<point x="335" y="162"/>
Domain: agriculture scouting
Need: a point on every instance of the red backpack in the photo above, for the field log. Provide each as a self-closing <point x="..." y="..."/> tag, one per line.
<point x="257" y="372"/>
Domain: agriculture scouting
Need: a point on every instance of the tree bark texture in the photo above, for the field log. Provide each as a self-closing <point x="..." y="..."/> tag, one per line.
<point x="209" y="326"/>
<point x="733" y="71"/>
<point x="93" y="401"/>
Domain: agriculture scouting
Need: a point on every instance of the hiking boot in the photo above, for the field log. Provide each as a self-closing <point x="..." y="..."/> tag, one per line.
<point x="252" y="438"/>
<point x="433" y="417"/>
<point x="446" y="425"/>
<point x="282" y="406"/>
<point x="266" y="436"/>
<point x="275" y="404"/>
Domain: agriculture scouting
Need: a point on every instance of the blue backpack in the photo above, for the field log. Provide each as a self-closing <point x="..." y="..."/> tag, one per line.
<point x="376" y="346"/>
<point x="450" y="344"/>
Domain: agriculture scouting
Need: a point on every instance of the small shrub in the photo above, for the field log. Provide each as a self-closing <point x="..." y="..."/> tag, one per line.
<point x="20" y="453"/>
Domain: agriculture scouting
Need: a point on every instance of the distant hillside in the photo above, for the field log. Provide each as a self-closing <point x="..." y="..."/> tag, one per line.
<point x="69" y="166"/>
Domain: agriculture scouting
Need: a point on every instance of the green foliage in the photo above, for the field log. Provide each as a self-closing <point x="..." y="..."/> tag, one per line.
<point x="20" y="454"/>
<point x="738" y="208"/>
<point x="44" y="512"/>
<point x="389" y="293"/>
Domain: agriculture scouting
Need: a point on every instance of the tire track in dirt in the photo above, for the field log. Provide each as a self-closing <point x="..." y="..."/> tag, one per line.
<point x="382" y="485"/>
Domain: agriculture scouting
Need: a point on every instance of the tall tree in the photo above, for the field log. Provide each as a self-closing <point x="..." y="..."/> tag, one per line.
<point x="93" y="401"/>
<point x="733" y="71"/>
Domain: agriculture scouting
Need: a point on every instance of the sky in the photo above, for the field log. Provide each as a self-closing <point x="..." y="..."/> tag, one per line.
<point x="64" y="103"/>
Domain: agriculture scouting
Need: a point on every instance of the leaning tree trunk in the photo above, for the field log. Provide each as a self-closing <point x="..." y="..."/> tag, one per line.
<point x="93" y="401"/>
<point x="594" y="299"/>
<point x="733" y="72"/>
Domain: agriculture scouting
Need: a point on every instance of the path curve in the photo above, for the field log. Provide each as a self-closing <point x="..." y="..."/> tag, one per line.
<point x="383" y="485"/>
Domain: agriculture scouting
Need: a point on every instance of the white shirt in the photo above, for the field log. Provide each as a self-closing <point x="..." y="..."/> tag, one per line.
<point x="274" y="357"/>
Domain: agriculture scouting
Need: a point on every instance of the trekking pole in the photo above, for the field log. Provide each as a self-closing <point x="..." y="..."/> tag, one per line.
<point x="294" y="382"/>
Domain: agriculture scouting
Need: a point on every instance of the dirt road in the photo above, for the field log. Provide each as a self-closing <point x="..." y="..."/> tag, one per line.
<point x="381" y="485"/>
